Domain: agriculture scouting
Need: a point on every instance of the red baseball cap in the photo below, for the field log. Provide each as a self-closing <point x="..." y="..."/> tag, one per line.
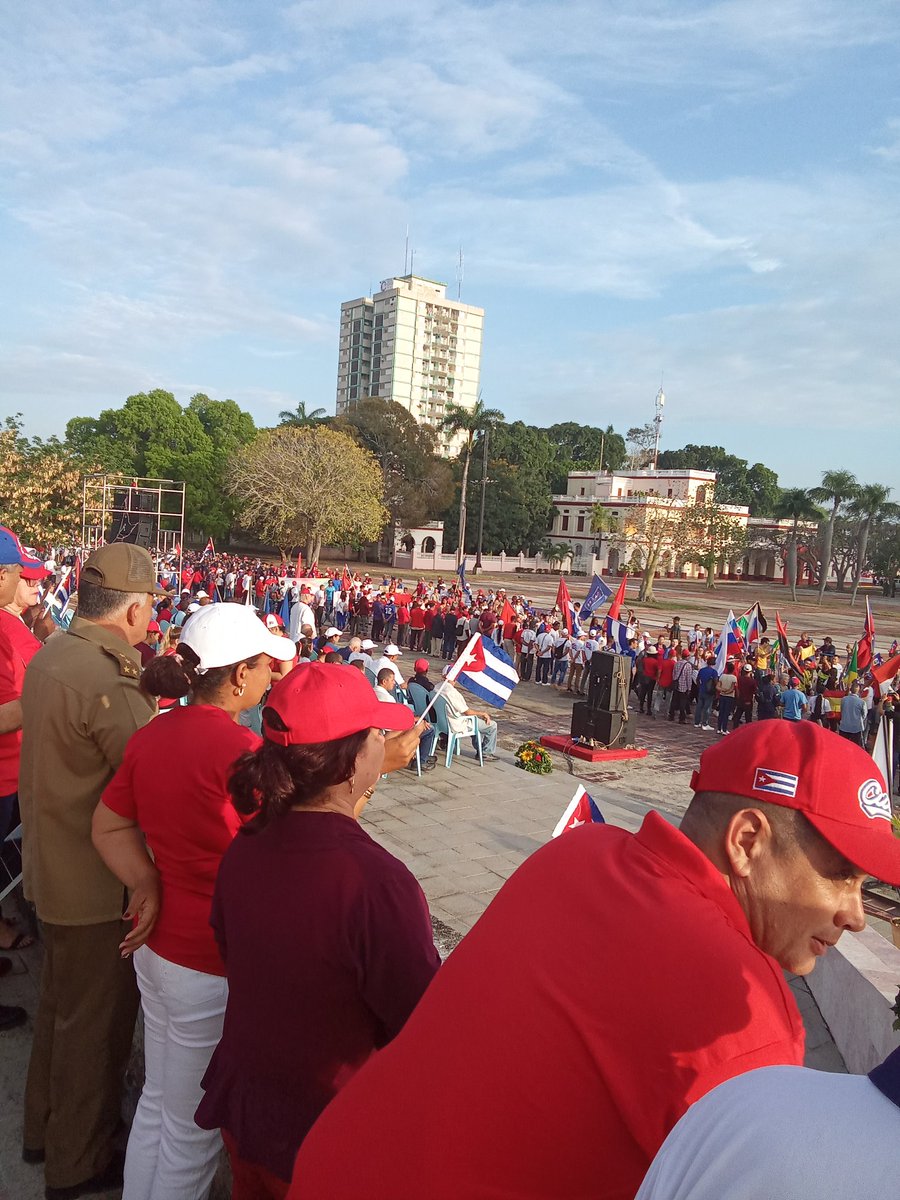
<point x="153" y="627"/>
<point x="831" y="780"/>
<point x="421" y="665"/>
<point x="319" y="703"/>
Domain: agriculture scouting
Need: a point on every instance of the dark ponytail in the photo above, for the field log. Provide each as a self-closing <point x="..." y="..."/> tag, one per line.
<point x="174" y="675"/>
<point x="268" y="782"/>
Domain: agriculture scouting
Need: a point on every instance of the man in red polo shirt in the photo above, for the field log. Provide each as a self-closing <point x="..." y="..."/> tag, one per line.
<point x="614" y="980"/>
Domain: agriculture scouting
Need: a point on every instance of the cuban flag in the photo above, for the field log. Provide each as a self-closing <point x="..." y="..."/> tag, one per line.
<point x="485" y="669"/>
<point x="598" y="594"/>
<point x="730" y="642"/>
<point x="461" y="573"/>
<point x="582" y="810"/>
<point x="617" y="633"/>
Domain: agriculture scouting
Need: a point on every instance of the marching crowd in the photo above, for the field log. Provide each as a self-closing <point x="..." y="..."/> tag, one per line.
<point x="193" y="748"/>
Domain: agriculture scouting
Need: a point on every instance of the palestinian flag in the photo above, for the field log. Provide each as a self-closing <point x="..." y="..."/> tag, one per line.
<point x="785" y="648"/>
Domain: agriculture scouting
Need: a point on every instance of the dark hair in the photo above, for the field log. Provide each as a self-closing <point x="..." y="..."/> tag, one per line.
<point x="333" y="656"/>
<point x="383" y="674"/>
<point x="709" y="813"/>
<point x="267" y="782"/>
<point x="176" y="674"/>
<point x="96" y="603"/>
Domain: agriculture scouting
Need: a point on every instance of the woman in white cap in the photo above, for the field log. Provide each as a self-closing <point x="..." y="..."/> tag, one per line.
<point x="326" y="936"/>
<point x="170" y="794"/>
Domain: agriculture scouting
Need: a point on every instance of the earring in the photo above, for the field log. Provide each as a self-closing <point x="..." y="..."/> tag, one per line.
<point x="239" y="691"/>
<point x="351" y="781"/>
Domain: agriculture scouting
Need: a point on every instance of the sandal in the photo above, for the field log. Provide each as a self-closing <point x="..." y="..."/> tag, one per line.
<point x="21" y="941"/>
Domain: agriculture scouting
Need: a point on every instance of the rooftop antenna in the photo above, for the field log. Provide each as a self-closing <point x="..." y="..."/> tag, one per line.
<point x="459" y="275"/>
<point x="657" y="421"/>
<point x="406" y="253"/>
<point x="412" y="261"/>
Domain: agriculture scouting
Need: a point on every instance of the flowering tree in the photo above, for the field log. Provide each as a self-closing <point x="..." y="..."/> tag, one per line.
<point x="40" y="488"/>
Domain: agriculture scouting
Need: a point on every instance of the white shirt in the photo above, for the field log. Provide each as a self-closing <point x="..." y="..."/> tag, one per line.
<point x="384" y="662"/>
<point x="366" y="659"/>
<point x="528" y="639"/>
<point x="545" y="643"/>
<point x="301" y="614"/>
<point x="781" y="1133"/>
<point x="383" y="694"/>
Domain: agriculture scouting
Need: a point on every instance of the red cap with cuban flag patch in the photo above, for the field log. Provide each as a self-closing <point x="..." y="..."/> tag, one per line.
<point x="831" y="780"/>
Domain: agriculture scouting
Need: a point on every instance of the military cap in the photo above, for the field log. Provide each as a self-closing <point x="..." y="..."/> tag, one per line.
<point x="122" y="567"/>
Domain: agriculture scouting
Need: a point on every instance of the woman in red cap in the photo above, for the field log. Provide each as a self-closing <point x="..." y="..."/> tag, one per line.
<point x="326" y="937"/>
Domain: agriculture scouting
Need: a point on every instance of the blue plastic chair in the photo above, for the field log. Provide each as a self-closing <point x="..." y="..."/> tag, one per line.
<point x="404" y="698"/>
<point x="454" y="739"/>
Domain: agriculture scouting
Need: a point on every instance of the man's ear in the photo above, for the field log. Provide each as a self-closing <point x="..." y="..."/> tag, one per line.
<point x="747" y="836"/>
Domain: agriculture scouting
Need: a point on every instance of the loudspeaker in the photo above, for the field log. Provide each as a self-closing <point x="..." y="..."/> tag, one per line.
<point x="607" y="728"/>
<point x="609" y="679"/>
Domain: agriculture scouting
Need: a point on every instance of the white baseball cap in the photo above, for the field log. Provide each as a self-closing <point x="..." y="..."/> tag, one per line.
<point x="391" y="649"/>
<point x="203" y="595"/>
<point x="332" y="632"/>
<point x="222" y="634"/>
<point x="368" y="644"/>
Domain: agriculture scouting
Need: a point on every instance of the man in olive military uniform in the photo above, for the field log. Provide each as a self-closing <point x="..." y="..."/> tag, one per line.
<point x="81" y="702"/>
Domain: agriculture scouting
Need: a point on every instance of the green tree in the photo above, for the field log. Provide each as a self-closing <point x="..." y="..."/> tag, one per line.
<point x="300" y="417"/>
<point x="417" y="483"/>
<point x="869" y="506"/>
<point x="151" y="435"/>
<point x="795" y="506"/>
<point x="736" y="482"/>
<point x="470" y="423"/>
<point x="40" y="487"/>
<point x="709" y="536"/>
<point x="308" y="486"/>
<point x="837" y="488"/>
<point x="579" y="447"/>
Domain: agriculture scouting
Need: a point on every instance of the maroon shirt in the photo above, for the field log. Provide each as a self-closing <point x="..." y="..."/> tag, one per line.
<point x="327" y="944"/>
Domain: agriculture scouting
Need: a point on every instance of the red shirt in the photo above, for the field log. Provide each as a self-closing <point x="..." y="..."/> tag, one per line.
<point x="611" y="983"/>
<point x="173" y="782"/>
<point x="666" y="672"/>
<point x="650" y="666"/>
<point x="18" y="646"/>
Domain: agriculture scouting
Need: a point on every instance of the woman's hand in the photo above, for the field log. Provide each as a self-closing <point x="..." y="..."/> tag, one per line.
<point x="399" y="748"/>
<point x="143" y="908"/>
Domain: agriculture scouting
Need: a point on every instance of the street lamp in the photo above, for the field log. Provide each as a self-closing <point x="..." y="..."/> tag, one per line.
<point x="484" y="480"/>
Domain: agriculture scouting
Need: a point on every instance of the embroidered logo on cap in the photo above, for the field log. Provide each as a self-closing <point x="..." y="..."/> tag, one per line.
<point x="777" y="783"/>
<point x="874" y="800"/>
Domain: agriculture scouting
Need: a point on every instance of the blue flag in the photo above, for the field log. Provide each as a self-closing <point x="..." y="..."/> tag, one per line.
<point x="598" y="594"/>
<point x="285" y="612"/>
<point x="461" y="573"/>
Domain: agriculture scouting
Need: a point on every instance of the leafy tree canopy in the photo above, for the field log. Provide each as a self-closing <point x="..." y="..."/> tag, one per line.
<point x="737" y="483"/>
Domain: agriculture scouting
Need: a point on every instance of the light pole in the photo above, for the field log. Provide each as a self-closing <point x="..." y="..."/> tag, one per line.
<point x="484" y="467"/>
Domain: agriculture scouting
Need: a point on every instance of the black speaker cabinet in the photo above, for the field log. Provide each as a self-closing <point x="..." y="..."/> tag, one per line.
<point x="609" y="680"/>
<point x="604" y="727"/>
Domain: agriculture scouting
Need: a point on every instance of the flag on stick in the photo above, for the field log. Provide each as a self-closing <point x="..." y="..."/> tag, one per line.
<point x="567" y="608"/>
<point x="461" y="574"/>
<point x="730" y="642"/>
<point x="752" y="625"/>
<point x="865" y="647"/>
<point x="507" y="617"/>
<point x="618" y="600"/>
<point x="785" y="647"/>
<point x="209" y="549"/>
<point x="598" y="594"/>
<point x="485" y="669"/>
<point x="852" y="671"/>
<point x="582" y="810"/>
<point x="346" y="579"/>
<point x="885" y="671"/>
<point x="617" y="633"/>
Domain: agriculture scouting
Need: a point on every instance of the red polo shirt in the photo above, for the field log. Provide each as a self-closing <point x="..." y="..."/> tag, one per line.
<point x="18" y="646"/>
<point x="611" y="983"/>
<point x="174" y="782"/>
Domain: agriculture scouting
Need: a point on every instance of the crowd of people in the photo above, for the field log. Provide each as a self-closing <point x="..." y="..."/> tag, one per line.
<point x="193" y="749"/>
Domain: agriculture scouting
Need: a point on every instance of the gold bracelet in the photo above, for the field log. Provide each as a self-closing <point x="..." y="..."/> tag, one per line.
<point x="369" y="792"/>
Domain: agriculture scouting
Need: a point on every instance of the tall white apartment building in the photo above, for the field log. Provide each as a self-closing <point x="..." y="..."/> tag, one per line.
<point x="409" y="343"/>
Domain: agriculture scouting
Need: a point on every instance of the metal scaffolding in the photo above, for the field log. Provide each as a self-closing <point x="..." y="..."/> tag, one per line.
<point x="135" y="509"/>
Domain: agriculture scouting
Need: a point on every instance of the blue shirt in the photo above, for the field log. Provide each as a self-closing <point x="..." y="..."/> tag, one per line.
<point x="702" y="675"/>
<point x="794" y="702"/>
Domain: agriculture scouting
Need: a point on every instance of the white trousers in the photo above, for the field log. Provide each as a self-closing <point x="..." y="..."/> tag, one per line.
<point x="168" y="1156"/>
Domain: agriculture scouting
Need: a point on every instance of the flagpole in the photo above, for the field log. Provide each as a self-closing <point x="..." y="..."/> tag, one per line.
<point x="451" y="675"/>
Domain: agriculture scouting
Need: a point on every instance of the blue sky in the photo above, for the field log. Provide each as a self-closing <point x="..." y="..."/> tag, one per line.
<point x="704" y="191"/>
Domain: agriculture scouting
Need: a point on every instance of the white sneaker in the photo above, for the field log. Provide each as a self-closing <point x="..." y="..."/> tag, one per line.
<point x="709" y="727"/>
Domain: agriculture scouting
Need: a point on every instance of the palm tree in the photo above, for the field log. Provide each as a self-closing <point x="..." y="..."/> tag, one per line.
<point x="795" y="505"/>
<point x="556" y="552"/>
<point x="837" y="487"/>
<point x="299" y="415"/>
<point x="470" y="422"/>
<point x="869" y="505"/>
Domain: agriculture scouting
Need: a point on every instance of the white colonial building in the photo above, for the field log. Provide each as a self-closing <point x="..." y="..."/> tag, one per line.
<point x="617" y="492"/>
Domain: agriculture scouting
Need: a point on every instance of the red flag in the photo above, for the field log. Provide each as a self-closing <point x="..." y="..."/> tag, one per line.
<point x="346" y="579"/>
<point x="618" y="600"/>
<point x="886" y="671"/>
<point x="866" y="644"/>
<point x="785" y="647"/>
<point x="178" y="549"/>
<point x="564" y="604"/>
<point x="507" y="617"/>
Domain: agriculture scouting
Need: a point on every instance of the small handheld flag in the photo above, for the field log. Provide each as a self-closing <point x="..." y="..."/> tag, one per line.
<point x="209" y="549"/>
<point x="618" y="600"/>
<point x="582" y="810"/>
<point x="866" y="644"/>
<point x="567" y="608"/>
<point x="598" y="594"/>
<point x="485" y="669"/>
<point x="730" y="642"/>
<point x="461" y="573"/>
